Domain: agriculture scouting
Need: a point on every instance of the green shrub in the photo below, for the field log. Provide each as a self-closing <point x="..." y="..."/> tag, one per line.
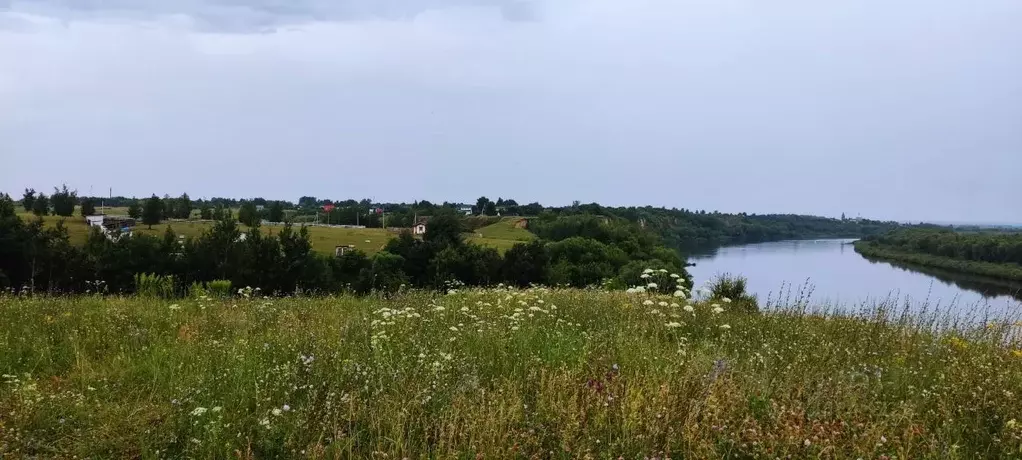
<point x="218" y="288"/>
<point x="733" y="288"/>
<point x="153" y="285"/>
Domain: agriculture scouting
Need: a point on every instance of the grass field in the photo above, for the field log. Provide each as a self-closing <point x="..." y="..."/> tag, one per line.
<point x="497" y="374"/>
<point x="501" y="235"/>
<point x="324" y="239"/>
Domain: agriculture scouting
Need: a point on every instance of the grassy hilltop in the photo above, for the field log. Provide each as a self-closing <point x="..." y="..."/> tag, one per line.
<point x="496" y="373"/>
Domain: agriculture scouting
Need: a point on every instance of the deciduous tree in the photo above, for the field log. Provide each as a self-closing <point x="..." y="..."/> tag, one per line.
<point x="152" y="212"/>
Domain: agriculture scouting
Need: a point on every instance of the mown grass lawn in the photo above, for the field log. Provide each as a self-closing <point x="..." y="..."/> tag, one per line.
<point x="496" y="373"/>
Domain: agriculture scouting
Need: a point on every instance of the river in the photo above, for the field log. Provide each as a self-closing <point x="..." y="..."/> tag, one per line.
<point x="839" y="276"/>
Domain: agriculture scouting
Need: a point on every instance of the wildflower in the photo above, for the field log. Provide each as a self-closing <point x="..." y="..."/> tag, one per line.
<point x="647" y="271"/>
<point x="674" y="305"/>
<point x="652" y="285"/>
<point x="464" y="308"/>
<point x="725" y="326"/>
<point x="644" y="275"/>
<point x="807" y="443"/>
<point x="198" y="411"/>
<point x="662" y="303"/>
<point x="175" y="307"/>
<point x="673" y="324"/>
<point x="675" y="275"/>
<point x="1011" y="424"/>
<point x="286" y="408"/>
<point x="726" y="300"/>
<point x="217" y="409"/>
<point x="689" y="309"/>
<point x="718" y="310"/>
<point x="276" y="411"/>
<point x="647" y="302"/>
<point x="679" y="293"/>
<point x="662" y="270"/>
<point x="453" y="329"/>
<point x="265" y="422"/>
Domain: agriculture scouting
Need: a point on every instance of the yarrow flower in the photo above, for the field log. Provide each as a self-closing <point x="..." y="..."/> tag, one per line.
<point x="689" y="308"/>
<point x="718" y="310"/>
<point x="652" y="285"/>
<point x="673" y="324"/>
<point x="647" y="302"/>
<point x="725" y="326"/>
<point x="198" y="411"/>
<point x="675" y="275"/>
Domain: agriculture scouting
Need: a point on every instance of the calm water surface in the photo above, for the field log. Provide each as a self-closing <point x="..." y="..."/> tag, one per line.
<point x="839" y="276"/>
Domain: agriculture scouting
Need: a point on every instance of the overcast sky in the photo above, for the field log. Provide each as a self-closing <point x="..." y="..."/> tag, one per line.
<point x="905" y="110"/>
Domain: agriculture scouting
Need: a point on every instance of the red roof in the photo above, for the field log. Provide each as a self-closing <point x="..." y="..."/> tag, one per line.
<point x="328" y="207"/>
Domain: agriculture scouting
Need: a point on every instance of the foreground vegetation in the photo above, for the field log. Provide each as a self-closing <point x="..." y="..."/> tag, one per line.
<point x="992" y="254"/>
<point x="498" y="373"/>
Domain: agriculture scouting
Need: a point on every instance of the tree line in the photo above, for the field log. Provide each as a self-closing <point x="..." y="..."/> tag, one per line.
<point x="692" y="231"/>
<point x="991" y="247"/>
<point x="580" y="251"/>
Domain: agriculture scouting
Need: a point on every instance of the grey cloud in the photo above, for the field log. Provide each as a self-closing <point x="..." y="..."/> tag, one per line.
<point x="261" y="15"/>
<point x="902" y="111"/>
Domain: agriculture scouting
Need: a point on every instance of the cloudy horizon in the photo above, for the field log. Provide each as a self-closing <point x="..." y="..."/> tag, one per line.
<point x="907" y="111"/>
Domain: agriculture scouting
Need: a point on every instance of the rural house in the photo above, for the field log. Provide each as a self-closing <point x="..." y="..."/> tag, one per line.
<point x="419" y="228"/>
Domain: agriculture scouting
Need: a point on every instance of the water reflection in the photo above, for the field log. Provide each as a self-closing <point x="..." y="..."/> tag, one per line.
<point x="841" y="276"/>
<point x="990" y="287"/>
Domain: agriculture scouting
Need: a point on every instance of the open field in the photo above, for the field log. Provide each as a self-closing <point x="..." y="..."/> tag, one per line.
<point x="324" y="239"/>
<point x="497" y="374"/>
<point x="501" y="235"/>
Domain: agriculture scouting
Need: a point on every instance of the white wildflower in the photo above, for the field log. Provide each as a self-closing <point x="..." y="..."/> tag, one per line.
<point x="276" y="411"/>
<point x="679" y="294"/>
<point x="198" y="411"/>
<point x="726" y="300"/>
<point x="647" y="271"/>
<point x="717" y="310"/>
<point x="647" y="302"/>
<point x="662" y="303"/>
<point x="725" y="326"/>
<point x="453" y="329"/>
<point x="652" y="285"/>
<point x="675" y="275"/>
<point x="673" y="324"/>
<point x="689" y="308"/>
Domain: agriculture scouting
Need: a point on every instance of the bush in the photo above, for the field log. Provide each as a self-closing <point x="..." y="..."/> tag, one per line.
<point x="153" y="285"/>
<point x="219" y="288"/>
<point x="733" y="288"/>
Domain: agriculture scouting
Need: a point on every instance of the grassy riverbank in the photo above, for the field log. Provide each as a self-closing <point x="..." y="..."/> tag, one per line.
<point x="498" y="374"/>
<point x="1006" y="271"/>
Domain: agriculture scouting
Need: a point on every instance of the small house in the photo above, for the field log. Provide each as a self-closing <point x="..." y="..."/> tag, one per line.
<point x="466" y="210"/>
<point x="419" y="228"/>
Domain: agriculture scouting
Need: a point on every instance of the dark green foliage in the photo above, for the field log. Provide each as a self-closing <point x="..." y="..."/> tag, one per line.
<point x="205" y="212"/>
<point x="990" y="254"/>
<point x="480" y="206"/>
<point x="28" y="199"/>
<point x="276" y="212"/>
<point x="582" y="262"/>
<point x="445" y="228"/>
<point x="526" y="263"/>
<point x="183" y="207"/>
<point x="41" y="205"/>
<point x="490" y="209"/>
<point x="384" y="273"/>
<point x="248" y="214"/>
<point x="152" y="212"/>
<point x="134" y="209"/>
<point x="734" y="289"/>
<point x="88" y="207"/>
<point x="63" y="201"/>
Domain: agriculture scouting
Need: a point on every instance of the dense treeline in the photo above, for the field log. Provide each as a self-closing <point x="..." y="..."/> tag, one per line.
<point x="993" y="247"/>
<point x="689" y="231"/>
<point x="994" y="254"/>
<point x="36" y="258"/>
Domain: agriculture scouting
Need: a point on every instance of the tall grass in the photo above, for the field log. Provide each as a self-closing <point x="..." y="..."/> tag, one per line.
<point x="496" y="374"/>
